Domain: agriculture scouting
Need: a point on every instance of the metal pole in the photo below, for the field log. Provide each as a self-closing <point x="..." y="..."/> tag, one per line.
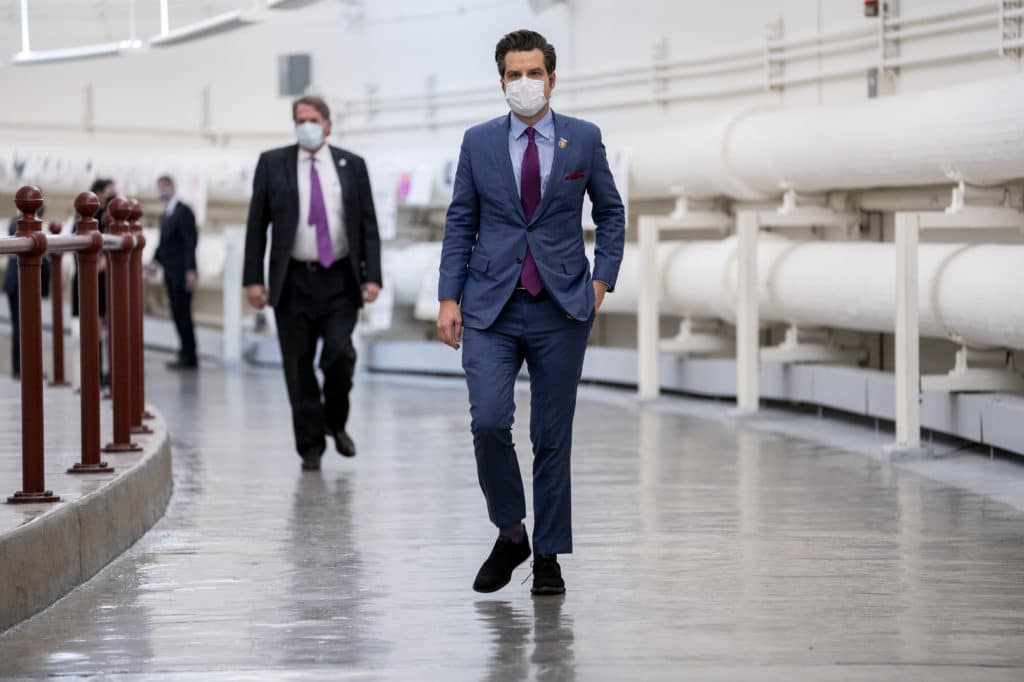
<point x="119" y="324"/>
<point x="57" y="310"/>
<point x="908" y="364"/>
<point x="747" y="314"/>
<point x="165" y="24"/>
<point x="647" y="319"/>
<point x="86" y="205"/>
<point x="25" y="49"/>
<point x="30" y="293"/>
<point x="135" y="299"/>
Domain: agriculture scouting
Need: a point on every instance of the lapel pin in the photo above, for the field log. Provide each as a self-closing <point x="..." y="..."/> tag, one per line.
<point x="562" y="143"/>
<point x="342" y="162"/>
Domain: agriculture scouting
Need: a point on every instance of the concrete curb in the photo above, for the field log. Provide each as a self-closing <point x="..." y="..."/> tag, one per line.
<point x="48" y="557"/>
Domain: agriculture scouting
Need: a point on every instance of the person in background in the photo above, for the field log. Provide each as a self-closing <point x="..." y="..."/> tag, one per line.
<point x="176" y="253"/>
<point x="324" y="264"/>
<point x="10" y="287"/>
<point x="515" y="286"/>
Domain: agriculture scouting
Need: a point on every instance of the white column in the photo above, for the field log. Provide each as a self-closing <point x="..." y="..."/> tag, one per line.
<point x="234" y="247"/>
<point x="908" y="364"/>
<point x="647" y="322"/>
<point x="747" y="318"/>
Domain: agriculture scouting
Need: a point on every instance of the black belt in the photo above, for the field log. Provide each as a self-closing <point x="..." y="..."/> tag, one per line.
<point x="312" y="265"/>
<point x="542" y="295"/>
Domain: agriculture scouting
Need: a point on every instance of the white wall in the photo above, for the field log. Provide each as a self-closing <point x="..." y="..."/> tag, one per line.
<point x="152" y="102"/>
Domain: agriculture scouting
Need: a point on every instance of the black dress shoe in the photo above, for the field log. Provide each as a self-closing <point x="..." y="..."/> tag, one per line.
<point x="311" y="464"/>
<point x="344" y="444"/>
<point x="179" y="366"/>
<point x="547" y="575"/>
<point x="496" y="572"/>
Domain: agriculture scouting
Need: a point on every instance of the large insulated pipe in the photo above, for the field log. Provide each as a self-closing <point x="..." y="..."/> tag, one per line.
<point x="973" y="132"/>
<point x="967" y="292"/>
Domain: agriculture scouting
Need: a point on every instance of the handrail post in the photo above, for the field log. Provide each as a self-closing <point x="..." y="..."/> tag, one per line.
<point x="29" y="200"/>
<point x="108" y="302"/>
<point x="119" y="324"/>
<point x="57" y="308"/>
<point x="138" y="399"/>
<point x="86" y="205"/>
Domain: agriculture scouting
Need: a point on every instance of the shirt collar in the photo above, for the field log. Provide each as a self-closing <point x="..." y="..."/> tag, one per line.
<point x="544" y="127"/>
<point x="323" y="155"/>
<point x="172" y="204"/>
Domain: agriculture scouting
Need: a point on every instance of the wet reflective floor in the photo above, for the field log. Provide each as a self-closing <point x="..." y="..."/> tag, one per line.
<point x="703" y="552"/>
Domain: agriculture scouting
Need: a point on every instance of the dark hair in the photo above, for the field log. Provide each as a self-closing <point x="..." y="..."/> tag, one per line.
<point x="100" y="184"/>
<point x="524" y="40"/>
<point x="166" y="178"/>
<point x="316" y="102"/>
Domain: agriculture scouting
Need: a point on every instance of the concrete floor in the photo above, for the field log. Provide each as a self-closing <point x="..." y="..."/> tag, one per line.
<point x="704" y="552"/>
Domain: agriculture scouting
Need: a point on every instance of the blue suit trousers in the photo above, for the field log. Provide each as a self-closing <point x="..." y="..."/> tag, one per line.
<point x="553" y="346"/>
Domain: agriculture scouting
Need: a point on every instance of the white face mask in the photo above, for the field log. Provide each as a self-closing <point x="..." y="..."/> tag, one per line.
<point x="309" y="135"/>
<point x="525" y="96"/>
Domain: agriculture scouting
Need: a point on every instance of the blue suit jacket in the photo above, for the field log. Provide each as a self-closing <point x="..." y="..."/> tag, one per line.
<point x="486" y="232"/>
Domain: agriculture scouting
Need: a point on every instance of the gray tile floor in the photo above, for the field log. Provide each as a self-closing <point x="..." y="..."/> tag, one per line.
<point x="703" y="552"/>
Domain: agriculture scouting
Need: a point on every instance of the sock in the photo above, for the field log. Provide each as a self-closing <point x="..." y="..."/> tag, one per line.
<point x="516" y="534"/>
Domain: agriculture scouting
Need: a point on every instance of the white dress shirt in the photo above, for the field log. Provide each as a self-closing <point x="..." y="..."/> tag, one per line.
<point x="330" y="185"/>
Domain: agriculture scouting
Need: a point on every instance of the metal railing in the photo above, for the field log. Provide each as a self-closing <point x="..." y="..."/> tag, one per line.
<point x="122" y="245"/>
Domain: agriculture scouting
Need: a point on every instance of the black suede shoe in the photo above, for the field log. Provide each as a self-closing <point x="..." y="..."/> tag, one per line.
<point x="547" y="575"/>
<point x="496" y="572"/>
<point x="344" y="444"/>
<point x="311" y="464"/>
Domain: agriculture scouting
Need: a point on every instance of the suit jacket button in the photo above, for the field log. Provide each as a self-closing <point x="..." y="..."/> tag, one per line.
<point x="519" y="260"/>
<point x="529" y="229"/>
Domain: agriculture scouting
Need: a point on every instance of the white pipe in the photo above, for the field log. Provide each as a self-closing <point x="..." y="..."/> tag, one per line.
<point x="967" y="292"/>
<point x="972" y="132"/>
<point x="946" y="15"/>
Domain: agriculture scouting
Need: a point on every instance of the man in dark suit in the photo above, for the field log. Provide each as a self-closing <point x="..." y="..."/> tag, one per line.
<point x="516" y="286"/>
<point x="176" y="253"/>
<point x="324" y="263"/>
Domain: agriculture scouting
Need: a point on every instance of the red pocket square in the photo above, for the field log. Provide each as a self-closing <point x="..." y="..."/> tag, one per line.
<point x="575" y="175"/>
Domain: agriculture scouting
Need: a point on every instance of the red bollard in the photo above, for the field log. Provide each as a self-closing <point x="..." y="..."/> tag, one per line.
<point x="135" y="294"/>
<point x="30" y="294"/>
<point x="107" y="222"/>
<point x="57" y="307"/>
<point x="119" y="324"/>
<point x="87" y="204"/>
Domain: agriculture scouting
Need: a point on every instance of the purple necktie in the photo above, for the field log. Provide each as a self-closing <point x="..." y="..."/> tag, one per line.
<point x="318" y="217"/>
<point x="529" y="195"/>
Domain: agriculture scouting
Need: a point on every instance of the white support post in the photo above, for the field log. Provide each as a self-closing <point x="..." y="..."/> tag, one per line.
<point x="908" y="361"/>
<point x="25" y="45"/>
<point x="647" y="320"/>
<point x="234" y="247"/>
<point x="747" y="316"/>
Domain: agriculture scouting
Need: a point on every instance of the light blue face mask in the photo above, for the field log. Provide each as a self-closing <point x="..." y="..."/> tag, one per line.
<point x="309" y="135"/>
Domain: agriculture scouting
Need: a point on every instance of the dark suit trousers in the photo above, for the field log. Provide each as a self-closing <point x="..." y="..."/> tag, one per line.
<point x="12" y="300"/>
<point x="318" y="304"/>
<point x="180" y="299"/>
<point x="553" y="345"/>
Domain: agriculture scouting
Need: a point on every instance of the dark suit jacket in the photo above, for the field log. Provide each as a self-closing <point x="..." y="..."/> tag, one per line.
<point x="178" y="237"/>
<point x="275" y="200"/>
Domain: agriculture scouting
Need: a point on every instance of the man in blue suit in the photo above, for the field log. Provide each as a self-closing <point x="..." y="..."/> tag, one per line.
<point x="516" y="285"/>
